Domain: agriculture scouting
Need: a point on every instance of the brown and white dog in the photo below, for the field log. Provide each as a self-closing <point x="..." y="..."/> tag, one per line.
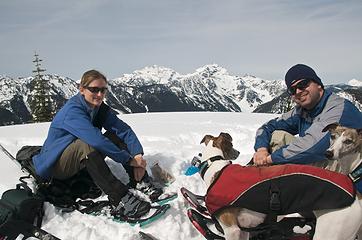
<point x="335" y="224"/>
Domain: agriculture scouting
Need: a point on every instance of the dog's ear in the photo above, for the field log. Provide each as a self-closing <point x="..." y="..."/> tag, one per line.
<point x="206" y="139"/>
<point x="330" y="127"/>
<point x="223" y="143"/>
<point x="226" y="136"/>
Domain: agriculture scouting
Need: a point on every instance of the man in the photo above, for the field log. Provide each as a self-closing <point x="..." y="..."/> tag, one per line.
<point x="315" y="109"/>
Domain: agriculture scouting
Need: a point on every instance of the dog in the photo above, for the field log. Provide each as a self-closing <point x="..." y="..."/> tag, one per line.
<point x="345" y="148"/>
<point x="336" y="224"/>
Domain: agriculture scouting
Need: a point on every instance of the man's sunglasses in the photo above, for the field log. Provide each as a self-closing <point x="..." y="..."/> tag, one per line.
<point x="96" y="89"/>
<point x="302" y="85"/>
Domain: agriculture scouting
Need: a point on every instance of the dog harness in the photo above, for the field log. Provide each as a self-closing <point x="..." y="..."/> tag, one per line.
<point x="279" y="189"/>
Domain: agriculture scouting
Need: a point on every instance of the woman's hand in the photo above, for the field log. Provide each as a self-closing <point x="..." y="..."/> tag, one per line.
<point x="138" y="161"/>
<point x="139" y="167"/>
<point x="138" y="173"/>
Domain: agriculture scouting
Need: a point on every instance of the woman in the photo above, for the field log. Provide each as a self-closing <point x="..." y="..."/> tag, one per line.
<point x="75" y="142"/>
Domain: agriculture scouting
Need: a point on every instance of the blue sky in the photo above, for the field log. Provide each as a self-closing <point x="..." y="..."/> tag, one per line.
<point x="259" y="37"/>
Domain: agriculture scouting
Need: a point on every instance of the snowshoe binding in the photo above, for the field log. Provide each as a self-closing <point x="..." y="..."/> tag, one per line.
<point x="155" y="193"/>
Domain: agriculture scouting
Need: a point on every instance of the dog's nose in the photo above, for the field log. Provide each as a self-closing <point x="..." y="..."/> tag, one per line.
<point x="329" y="154"/>
<point x="235" y="155"/>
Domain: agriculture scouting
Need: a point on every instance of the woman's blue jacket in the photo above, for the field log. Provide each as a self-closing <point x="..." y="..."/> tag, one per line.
<point x="77" y="120"/>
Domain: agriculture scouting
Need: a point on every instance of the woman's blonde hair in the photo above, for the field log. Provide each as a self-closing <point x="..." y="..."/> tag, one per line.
<point x="90" y="76"/>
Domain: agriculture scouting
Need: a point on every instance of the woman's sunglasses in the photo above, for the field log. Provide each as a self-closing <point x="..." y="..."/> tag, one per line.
<point x="96" y="89"/>
<point x="302" y="85"/>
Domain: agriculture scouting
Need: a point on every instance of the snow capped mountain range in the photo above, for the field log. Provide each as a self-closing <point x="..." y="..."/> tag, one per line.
<point x="209" y="88"/>
<point x="161" y="89"/>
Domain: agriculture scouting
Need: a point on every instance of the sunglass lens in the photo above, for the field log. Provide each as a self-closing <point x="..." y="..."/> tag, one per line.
<point x="291" y="90"/>
<point x="302" y="85"/>
<point x="97" y="89"/>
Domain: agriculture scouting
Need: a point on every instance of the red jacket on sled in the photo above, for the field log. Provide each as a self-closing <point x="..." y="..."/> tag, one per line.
<point x="301" y="188"/>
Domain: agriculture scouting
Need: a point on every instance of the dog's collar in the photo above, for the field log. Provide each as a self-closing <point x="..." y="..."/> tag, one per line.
<point x="205" y="164"/>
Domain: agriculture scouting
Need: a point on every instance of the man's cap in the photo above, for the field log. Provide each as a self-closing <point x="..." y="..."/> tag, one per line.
<point x="301" y="71"/>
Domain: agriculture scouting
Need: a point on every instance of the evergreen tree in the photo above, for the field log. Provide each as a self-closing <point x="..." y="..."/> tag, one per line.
<point x="41" y="102"/>
<point x="284" y="103"/>
<point x="290" y="105"/>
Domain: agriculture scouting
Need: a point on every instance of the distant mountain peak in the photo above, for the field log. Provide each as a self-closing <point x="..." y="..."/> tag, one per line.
<point x="355" y="83"/>
<point x="148" y="75"/>
<point x="211" y="69"/>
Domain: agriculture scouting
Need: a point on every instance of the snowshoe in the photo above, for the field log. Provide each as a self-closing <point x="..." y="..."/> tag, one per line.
<point x="159" y="212"/>
<point x="196" y="201"/>
<point x="104" y="208"/>
<point x="202" y="223"/>
<point x="131" y="206"/>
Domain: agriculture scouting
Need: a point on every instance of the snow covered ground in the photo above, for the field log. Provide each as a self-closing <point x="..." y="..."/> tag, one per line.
<point x="171" y="139"/>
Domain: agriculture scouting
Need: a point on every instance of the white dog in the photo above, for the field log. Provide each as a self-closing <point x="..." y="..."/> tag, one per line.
<point x="346" y="148"/>
<point x="337" y="224"/>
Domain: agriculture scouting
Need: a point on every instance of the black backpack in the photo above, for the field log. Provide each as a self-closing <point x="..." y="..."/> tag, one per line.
<point x="22" y="205"/>
<point x="60" y="193"/>
<point x="24" y="157"/>
<point x="21" y="212"/>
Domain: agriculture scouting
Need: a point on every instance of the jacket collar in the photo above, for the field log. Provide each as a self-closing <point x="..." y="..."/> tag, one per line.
<point x="91" y="111"/>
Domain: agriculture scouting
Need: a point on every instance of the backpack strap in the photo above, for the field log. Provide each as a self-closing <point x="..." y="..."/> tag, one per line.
<point x="274" y="204"/>
<point x="24" y="186"/>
